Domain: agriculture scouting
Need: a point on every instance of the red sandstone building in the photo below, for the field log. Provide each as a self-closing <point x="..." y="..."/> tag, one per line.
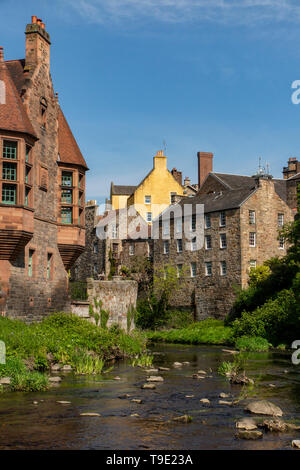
<point x="42" y="193"/>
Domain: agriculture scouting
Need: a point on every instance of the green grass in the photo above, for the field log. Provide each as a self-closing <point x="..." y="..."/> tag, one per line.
<point x="63" y="338"/>
<point x="208" y="331"/>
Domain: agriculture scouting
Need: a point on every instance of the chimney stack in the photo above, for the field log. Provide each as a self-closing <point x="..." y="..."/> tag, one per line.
<point x="37" y="43"/>
<point x="205" y="165"/>
<point x="292" y="169"/>
<point x="160" y="161"/>
<point x="177" y="175"/>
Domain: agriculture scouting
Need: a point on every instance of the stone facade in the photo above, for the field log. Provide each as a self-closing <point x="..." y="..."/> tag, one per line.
<point x="212" y="272"/>
<point x="36" y="245"/>
<point x="118" y="297"/>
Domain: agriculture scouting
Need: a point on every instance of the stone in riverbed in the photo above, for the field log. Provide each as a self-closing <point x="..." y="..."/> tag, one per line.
<point x="223" y="402"/>
<point x="197" y="376"/>
<point x="240" y="379"/>
<point x="117" y="378"/>
<point x="90" y="414"/>
<point x="296" y="444"/>
<point x="250" y="435"/>
<point x="205" y="401"/>
<point x="151" y="371"/>
<point x="189" y="396"/>
<point x="135" y="400"/>
<point x="224" y="395"/>
<point x="201" y="372"/>
<point x="246" y="423"/>
<point x="55" y="367"/>
<point x="5" y="381"/>
<point x="186" y="363"/>
<point x="54" y="379"/>
<point x="35" y="403"/>
<point x="183" y="419"/>
<point x="66" y="368"/>
<point x="155" y="378"/>
<point x="263" y="407"/>
<point x="276" y="425"/>
<point x="177" y="364"/>
<point x="64" y="402"/>
<point x="135" y="415"/>
<point x="123" y="397"/>
<point x="148" y="387"/>
<point x="163" y="369"/>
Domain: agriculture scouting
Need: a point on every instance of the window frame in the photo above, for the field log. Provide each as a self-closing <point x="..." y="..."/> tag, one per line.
<point x="254" y="238"/>
<point x="207" y="264"/>
<point x="222" y="219"/>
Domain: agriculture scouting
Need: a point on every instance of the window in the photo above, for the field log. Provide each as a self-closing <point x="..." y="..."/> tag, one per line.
<point x="80" y="216"/>
<point x="179" y="245"/>
<point x="193" y="269"/>
<point x="208" y="268"/>
<point x="281" y="243"/>
<point x="223" y="268"/>
<point x="114" y="232"/>
<point x="10" y="149"/>
<point x="131" y="250"/>
<point x="80" y="198"/>
<point x="208" y="245"/>
<point x="193" y="223"/>
<point x="178" y="225"/>
<point x="280" y="220"/>
<point x="149" y="216"/>
<point x="252" y="263"/>
<point x="80" y="180"/>
<point x="223" y="240"/>
<point x="222" y="219"/>
<point x="251" y="217"/>
<point x="27" y="173"/>
<point x="194" y="244"/>
<point x="147" y="199"/>
<point x="9" y="171"/>
<point x="252" y="239"/>
<point x="27" y="155"/>
<point x="179" y="270"/>
<point x="207" y="221"/>
<point x="27" y="192"/>
<point x="49" y="265"/>
<point x="66" y="196"/>
<point x="95" y="247"/>
<point x="66" y="215"/>
<point x="9" y="193"/>
<point x="166" y="227"/>
<point x="166" y="247"/>
<point x="95" y="268"/>
<point x="30" y="263"/>
<point x="67" y="178"/>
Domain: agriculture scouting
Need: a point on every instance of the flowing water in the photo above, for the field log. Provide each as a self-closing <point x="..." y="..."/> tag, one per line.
<point x="50" y="425"/>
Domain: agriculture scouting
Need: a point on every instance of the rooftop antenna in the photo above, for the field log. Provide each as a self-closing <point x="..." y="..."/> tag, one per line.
<point x="165" y="147"/>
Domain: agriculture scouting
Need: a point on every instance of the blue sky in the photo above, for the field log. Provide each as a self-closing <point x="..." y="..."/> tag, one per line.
<point x="209" y="75"/>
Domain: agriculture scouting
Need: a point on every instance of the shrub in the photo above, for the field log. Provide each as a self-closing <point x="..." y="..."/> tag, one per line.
<point x="254" y="343"/>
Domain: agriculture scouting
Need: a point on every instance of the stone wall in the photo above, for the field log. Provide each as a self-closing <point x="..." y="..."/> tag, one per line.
<point x="117" y="297"/>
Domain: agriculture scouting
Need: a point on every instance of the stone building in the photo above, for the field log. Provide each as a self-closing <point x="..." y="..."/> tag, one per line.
<point x="242" y="216"/>
<point x="42" y="221"/>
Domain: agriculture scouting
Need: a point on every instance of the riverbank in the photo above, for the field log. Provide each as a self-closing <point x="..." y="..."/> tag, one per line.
<point x="61" y="340"/>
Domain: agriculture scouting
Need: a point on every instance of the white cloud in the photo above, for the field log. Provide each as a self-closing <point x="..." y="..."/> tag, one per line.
<point x="177" y="11"/>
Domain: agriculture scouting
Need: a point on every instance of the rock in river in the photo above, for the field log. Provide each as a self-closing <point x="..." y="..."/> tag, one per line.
<point x="296" y="444"/>
<point x="148" y="386"/>
<point x="90" y="414"/>
<point x="264" y="407"/>
<point x="246" y="423"/>
<point x="5" y="381"/>
<point x="205" y="401"/>
<point x="224" y="395"/>
<point x="135" y="400"/>
<point x="251" y="435"/>
<point x="163" y="369"/>
<point x="177" y="364"/>
<point x="155" y="378"/>
<point x="183" y="419"/>
<point x="54" y="379"/>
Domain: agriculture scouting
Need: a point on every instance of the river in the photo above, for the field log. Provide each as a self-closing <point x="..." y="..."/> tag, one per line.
<point x="50" y="425"/>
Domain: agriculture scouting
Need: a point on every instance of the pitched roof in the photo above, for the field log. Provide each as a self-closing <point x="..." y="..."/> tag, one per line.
<point x="13" y="116"/>
<point x="16" y="70"/>
<point x="295" y="177"/>
<point x="220" y="201"/>
<point x="68" y="149"/>
<point x="123" y="190"/>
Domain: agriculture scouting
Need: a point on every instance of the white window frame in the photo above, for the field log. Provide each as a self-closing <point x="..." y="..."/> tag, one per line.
<point x="252" y="217"/>
<point x="281" y="243"/>
<point x="223" y="219"/>
<point x="222" y="238"/>
<point x="252" y="263"/>
<point x="149" y="217"/>
<point x="166" y="247"/>
<point x="166" y="227"/>
<point x="179" y="270"/>
<point x="208" y="237"/>
<point x="207" y="218"/>
<point x="194" y="244"/>
<point x="178" y="241"/>
<point x="254" y="237"/>
<point x="95" y="248"/>
<point x="193" y="271"/>
<point x="148" y="200"/>
<point x="280" y="219"/>
<point x="207" y="263"/>
<point x="114" y="232"/>
<point x="178" y="225"/>
<point x="223" y="271"/>
<point x="131" y="249"/>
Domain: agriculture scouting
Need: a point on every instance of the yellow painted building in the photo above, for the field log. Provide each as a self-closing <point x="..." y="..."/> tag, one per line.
<point x="153" y="195"/>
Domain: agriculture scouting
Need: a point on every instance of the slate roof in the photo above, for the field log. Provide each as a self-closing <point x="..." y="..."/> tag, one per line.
<point x="69" y="152"/>
<point x="13" y="116"/>
<point x="123" y="190"/>
<point x="295" y="177"/>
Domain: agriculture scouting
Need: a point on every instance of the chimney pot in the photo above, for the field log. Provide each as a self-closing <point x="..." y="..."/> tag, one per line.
<point x="1" y="54"/>
<point x="39" y="21"/>
<point x="43" y="25"/>
<point x="33" y="19"/>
